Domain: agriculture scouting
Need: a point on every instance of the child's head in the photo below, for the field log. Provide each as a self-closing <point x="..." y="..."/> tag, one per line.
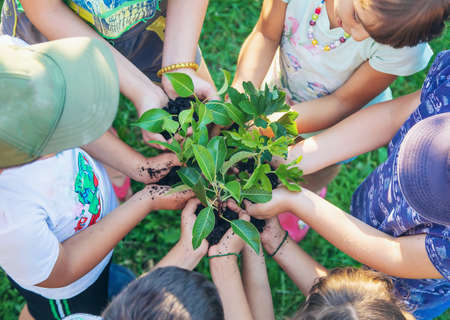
<point x="397" y="23"/>
<point x="55" y="96"/>
<point x="352" y="294"/>
<point x="168" y="293"/>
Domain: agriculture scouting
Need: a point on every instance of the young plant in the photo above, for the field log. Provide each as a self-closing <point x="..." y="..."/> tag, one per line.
<point x="209" y="163"/>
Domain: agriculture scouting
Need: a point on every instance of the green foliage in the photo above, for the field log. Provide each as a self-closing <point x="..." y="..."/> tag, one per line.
<point x="203" y="226"/>
<point x="209" y="160"/>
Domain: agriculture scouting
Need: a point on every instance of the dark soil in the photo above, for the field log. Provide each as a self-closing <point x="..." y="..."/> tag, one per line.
<point x="171" y="179"/>
<point x="249" y="166"/>
<point x="174" y="107"/>
<point x="221" y="226"/>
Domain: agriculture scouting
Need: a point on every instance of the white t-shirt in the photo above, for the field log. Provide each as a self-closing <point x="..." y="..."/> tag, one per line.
<point x="44" y="203"/>
<point x="306" y="72"/>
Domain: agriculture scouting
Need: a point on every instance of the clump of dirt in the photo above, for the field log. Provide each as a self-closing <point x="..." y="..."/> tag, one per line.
<point x="171" y="178"/>
<point x="174" y="107"/>
<point x="221" y="226"/>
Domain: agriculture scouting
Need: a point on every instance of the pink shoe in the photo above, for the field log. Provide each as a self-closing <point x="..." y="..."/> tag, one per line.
<point x="323" y="192"/>
<point x="296" y="228"/>
<point x="123" y="192"/>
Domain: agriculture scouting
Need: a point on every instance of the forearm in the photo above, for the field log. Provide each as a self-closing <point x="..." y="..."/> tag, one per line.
<point x="256" y="284"/>
<point x="361" y="132"/>
<point x="404" y="256"/>
<point x="183" y="26"/>
<point x="300" y="267"/>
<point x="227" y="278"/>
<point x="46" y="14"/>
<point x="82" y="252"/>
<point x="255" y="58"/>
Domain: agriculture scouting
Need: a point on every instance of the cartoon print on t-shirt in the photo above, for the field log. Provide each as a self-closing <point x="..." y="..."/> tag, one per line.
<point x="86" y="186"/>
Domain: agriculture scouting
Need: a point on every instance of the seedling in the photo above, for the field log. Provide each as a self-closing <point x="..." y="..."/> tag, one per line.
<point x="209" y="163"/>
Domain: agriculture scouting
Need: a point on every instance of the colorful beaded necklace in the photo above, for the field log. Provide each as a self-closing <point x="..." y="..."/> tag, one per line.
<point x="312" y="23"/>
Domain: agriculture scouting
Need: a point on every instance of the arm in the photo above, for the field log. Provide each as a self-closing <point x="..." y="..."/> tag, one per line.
<point x="182" y="254"/>
<point x="112" y="151"/>
<point x="226" y="276"/>
<point x="256" y="284"/>
<point x="183" y="26"/>
<point x="362" y="86"/>
<point x="404" y="257"/>
<point x="77" y="256"/>
<point x="300" y="267"/>
<point x="361" y="132"/>
<point x="259" y="48"/>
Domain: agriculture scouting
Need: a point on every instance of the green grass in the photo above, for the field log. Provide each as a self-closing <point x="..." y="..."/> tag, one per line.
<point x="226" y="26"/>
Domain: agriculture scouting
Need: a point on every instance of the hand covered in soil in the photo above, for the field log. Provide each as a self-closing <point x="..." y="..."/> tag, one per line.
<point x="280" y="202"/>
<point x="155" y="168"/>
<point x="162" y="201"/>
<point x="187" y="223"/>
<point x="230" y="242"/>
<point x="272" y="234"/>
<point x="202" y="88"/>
<point x="151" y="99"/>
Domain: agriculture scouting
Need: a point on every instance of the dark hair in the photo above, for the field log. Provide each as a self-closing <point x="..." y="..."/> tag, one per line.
<point x="352" y="294"/>
<point x="168" y="293"/>
<point x="406" y="22"/>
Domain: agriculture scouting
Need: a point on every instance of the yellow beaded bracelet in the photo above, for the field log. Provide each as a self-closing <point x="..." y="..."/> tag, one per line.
<point x="175" y="66"/>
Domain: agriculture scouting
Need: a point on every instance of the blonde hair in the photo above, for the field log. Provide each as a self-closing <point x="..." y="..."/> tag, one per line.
<point x="352" y="294"/>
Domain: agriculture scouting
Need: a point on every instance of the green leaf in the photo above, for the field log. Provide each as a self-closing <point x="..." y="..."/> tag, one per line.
<point x="204" y="114"/>
<point x="235" y="114"/>
<point x="218" y="149"/>
<point x="174" y="146"/>
<point x="248" y="233"/>
<point x="257" y="195"/>
<point x="152" y="120"/>
<point x="190" y="176"/>
<point x="258" y="175"/>
<point x="170" y="125"/>
<point x="180" y="188"/>
<point x="201" y="135"/>
<point x="203" y="226"/>
<point x="290" y="177"/>
<point x="288" y="122"/>
<point x="205" y="162"/>
<point x="235" y="96"/>
<point x="248" y="108"/>
<point x="187" y="152"/>
<point x="226" y="82"/>
<point x="220" y="115"/>
<point x="234" y="187"/>
<point x="278" y="130"/>
<point x="181" y="83"/>
<point x="185" y="118"/>
<point x="261" y="123"/>
<point x="200" y="192"/>
<point x="235" y="158"/>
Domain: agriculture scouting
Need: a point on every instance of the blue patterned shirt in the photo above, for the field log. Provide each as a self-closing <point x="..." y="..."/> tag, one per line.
<point x="379" y="202"/>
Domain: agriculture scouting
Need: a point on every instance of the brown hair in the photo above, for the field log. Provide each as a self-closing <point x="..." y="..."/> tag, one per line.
<point x="352" y="294"/>
<point x="406" y="22"/>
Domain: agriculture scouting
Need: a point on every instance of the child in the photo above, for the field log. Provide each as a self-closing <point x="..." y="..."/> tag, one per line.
<point x="143" y="40"/>
<point x="59" y="217"/>
<point x="328" y="58"/>
<point x="400" y="223"/>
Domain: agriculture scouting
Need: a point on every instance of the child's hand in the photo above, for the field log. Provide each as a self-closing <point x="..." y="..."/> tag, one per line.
<point x="155" y="168"/>
<point x="187" y="223"/>
<point x="151" y="98"/>
<point x="202" y="88"/>
<point x="230" y="242"/>
<point x="280" y="202"/>
<point x="161" y="201"/>
<point x="272" y="234"/>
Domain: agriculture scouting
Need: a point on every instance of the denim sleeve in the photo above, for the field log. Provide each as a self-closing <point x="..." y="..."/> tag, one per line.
<point x="438" y="249"/>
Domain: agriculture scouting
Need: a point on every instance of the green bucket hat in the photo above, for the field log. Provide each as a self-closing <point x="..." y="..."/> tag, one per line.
<point x="54" y="96"/>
